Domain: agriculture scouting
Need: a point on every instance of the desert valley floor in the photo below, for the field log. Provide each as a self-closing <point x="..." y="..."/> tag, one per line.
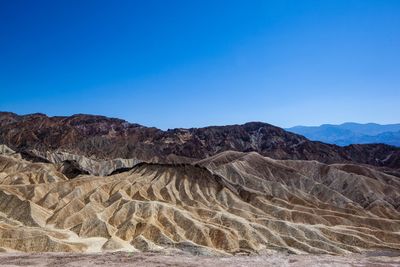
<point x="168" y="259"/>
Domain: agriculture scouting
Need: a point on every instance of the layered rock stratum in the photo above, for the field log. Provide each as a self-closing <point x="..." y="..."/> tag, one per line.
<point x="229" y="203"/>
<point x="101" y="138"/>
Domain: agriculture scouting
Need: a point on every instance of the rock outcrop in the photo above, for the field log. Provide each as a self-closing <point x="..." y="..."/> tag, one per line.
<point x="98" y="137"/>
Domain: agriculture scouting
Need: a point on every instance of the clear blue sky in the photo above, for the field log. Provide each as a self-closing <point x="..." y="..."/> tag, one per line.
<point x="195" y="63"/>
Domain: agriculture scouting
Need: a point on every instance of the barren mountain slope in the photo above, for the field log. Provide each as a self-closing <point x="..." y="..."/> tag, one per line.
<point x="229" y="203"/>
<point x="107" y="138"/>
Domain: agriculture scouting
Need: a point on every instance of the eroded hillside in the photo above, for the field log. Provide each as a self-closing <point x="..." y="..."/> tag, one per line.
<point x="226" y="204"/>
<point x="108" y="139"/>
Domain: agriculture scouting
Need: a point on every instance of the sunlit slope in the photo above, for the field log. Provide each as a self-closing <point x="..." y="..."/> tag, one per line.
<point x="233" y="202"/>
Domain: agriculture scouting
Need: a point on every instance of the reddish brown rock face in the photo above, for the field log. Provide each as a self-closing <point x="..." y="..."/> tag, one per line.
<point x="110" y="138"/>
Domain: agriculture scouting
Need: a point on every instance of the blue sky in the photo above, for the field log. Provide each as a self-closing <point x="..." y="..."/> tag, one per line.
<point x="196" y="63"/>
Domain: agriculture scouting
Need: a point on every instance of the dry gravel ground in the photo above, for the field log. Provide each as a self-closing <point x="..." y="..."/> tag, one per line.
<point x="120" y="259"/>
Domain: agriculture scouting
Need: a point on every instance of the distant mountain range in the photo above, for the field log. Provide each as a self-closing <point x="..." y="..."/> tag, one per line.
<point x="110" y="138"/>
<point x="351" y="133"/>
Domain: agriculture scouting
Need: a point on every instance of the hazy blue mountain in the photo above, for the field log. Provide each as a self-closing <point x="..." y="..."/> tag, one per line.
<point x="351" y="133"/>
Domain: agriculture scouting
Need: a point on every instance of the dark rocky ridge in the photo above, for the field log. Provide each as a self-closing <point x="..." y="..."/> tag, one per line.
<point x="108" y="138"/>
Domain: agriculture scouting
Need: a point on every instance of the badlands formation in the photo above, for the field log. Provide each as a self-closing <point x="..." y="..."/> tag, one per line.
<point x="93" y="184"/>
<point x="230" y="203"/>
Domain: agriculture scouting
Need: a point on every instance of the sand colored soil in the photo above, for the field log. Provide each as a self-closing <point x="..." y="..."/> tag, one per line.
<point x="230" y="204"/>
<point x="147" y="259"/>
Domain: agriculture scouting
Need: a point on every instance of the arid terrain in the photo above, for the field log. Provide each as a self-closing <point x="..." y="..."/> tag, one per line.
<point x="109" y="138"/>
<point x="247" y="196"/>
<point x="151" y="259"/>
